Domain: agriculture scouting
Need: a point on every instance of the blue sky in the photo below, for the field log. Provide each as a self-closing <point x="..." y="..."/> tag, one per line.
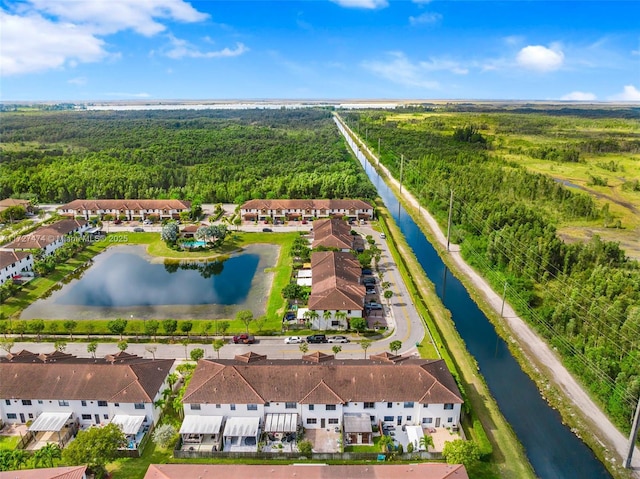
<point x="342" y="49"/>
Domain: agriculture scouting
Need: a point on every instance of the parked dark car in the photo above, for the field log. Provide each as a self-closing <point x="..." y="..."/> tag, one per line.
<point x="267" y="230"/>
<point x="371" y="291"/>
<point x="317" y="338"/>
<point x="368" y="281"/>
<point x="244" y="339"/>
<point x="138" y="230"/>
<point x="290" y="316"/>
<point x="366" y="271"/>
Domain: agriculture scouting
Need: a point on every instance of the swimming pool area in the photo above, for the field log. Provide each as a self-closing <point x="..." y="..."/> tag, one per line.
<point x="194" y="244"/>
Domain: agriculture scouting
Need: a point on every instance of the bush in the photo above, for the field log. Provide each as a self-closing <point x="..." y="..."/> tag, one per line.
<point x="305" y="448"/>
<point x="410" y="447"/>
<point x="165" y="436"/>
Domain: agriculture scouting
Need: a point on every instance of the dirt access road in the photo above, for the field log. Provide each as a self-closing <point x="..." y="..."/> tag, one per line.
<point x="533" y="346"/>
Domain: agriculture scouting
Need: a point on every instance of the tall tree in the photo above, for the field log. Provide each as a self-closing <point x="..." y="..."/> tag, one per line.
<point x="117" y="326"/>
<point x="246" y="316"/>
<point x="95" y="447"/>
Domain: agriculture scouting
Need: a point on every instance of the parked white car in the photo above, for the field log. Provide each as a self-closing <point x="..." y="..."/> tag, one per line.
<point x="337" y="339"/>
<point x="293" y="340"/>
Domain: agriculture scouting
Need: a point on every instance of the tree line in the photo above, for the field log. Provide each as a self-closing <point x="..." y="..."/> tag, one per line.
<point x="209" y="156"/>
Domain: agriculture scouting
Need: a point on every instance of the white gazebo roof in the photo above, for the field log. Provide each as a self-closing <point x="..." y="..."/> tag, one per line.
<point x="304" y="273"/>
<point x="304" y="281"/>
<point x="242" y="426"/>
<point x="50" y="421"/>
<point x="129" y="424"/>
<point x="357" y="423"/>
<point x="281" y="422"/>
<point x="194" y="424"/>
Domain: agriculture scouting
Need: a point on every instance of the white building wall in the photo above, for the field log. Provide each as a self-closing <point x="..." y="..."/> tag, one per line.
<point x="319" y="413"/>
<point x="25" y="264"/>
<point x="322" y="324"/>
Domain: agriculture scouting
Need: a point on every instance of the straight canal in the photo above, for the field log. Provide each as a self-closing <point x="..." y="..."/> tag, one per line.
<point x="553" y="450"/>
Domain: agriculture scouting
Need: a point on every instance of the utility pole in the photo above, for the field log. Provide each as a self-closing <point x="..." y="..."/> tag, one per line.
<point x="449" y="221"/>
<point x="633" y="435"/>
<point x="504" y="297"/>
<point x="401" y="168"/>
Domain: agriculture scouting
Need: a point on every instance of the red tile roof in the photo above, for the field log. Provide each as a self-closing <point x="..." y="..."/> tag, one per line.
<point x="89" y="205"/>
<point x="332" y="233"/>
<point x="306" y="205"/>
<point x="336" y="381"/>
<point x="45" y="235"/>
<point x="336" y="282"/>
<point x="69" y="472"/>
<point x="307" y="471"/>
<point x="7" y="258"/>
<point x="71" y="379"/>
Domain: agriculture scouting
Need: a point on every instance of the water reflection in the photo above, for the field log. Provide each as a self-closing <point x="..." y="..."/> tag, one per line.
<point x="126" y="278"/>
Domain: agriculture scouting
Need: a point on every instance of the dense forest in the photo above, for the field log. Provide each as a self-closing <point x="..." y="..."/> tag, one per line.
<point x="211" y="156"/>
<point x="583" y="297"/>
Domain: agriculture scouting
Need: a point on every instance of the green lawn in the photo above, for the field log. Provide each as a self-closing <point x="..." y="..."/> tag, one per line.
<point x="364" y="448"/>
<point x="9" y="442"/>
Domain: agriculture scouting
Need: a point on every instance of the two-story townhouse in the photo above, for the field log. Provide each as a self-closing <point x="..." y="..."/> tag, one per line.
<point x="57" y="391"/>
<point x="257" y="394"/>
<point x="128" y="209"/>
<point x="49" y="238"/>
<point x="335" y="288"/>
<point x="333" y="233"/>
<point x="260" y="210"/>
<point x="12" y="263"/>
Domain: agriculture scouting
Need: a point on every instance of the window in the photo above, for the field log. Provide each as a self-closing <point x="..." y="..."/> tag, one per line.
<point x="63" y="403"/>
<point x="408" y="418"/>
<point x="312" y="407"/>
<point x="425" y="405"/>
<point x="233" y="407"/>
<point x="333" y="420"/>
<point x="30" y="416"/>
<point x="7" y="402"/>
<point x="218" y="406"/>
<point x="195" y="407"/>
<point x="289" y="405"/>
<point x="450" y="419"/>
<point x="102" y="403"/>
<point x="369" y="405"/>
<point x="389" y="405"/>
<point x="12" y="415"/>
<point x="84" y="403"/>
<point x="388" y="419"/>
<point x="408" y="404"/>
<point x="335" y="323"/>
<point x="267" y="404"/>
<point x="40" y="401"/>
<point x="116" y="404"/>
<point x="252" y="407"/>
<point x="312" y="420"/>
<point x="448" y="406"/>
<point x="331" y="407"/>
<point x="86" y="417"/>
<point x="26" y="402"/>
<point x="138" y="405"/>
<point x="427" y="420"/>
<point x="106" y="416"/>
<point x="348" y="311"/>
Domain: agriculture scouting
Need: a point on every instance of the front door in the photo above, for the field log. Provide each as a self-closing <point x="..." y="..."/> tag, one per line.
<point x="437" y="422"/>
<point x="399" y="421"/>
<point x="97" y="416"/>
<point x="22" y="418"/>
<point x="322" y="422"/>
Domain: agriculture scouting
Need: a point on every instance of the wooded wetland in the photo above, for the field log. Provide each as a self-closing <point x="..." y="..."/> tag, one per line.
<point x="520" y="215"/>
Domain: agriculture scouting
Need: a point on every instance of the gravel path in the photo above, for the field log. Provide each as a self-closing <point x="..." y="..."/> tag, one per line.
<point x="534" y="346"/>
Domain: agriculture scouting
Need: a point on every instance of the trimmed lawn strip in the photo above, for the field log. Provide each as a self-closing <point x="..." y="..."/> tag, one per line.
<point x="364" y="447"/>
<point x="9" y="442"/>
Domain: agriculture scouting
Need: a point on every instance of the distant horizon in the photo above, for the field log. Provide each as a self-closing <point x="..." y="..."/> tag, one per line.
<point x="128" y="50"/>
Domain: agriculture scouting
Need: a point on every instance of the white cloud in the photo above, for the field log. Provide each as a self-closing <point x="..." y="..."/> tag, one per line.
<point x="32" y="44"/>
<point x="436" y="64"/>
<point x="80" y="81"/>
<point x="579" y="96"/>
<point x="367" y="4"/>
<point x="513" y="40"/>
<point x="109" y="16"/>
<point x="539" y="58"/>
<point x="427" y="18"/>
<point x="182" y="48"/>
<point x="400" y="70"/>
<point x="629" y="93"/>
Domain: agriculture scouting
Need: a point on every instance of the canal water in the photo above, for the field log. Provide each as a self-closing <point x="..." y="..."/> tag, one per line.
<point x="553" y="450"/>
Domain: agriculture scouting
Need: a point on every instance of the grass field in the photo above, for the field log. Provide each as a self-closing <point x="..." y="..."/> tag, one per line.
<point x="9" y="442"/>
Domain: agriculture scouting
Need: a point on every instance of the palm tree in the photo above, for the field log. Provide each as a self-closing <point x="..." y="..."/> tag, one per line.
<point x="341" y="316"/>
<point x="426" y="441"/>
<point x="172" y="379"/>
<point x="218" y="344"/>
<point x="92" y="347"/>
<point x="326" y="315"/>
<point x="336" y="349"/>
<point x="47" y="454"/>
<point x="19" y="458"/>
<point x="304" y="348"/>
<point x="386" y="443"/>
<point x="365" y="344"/>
